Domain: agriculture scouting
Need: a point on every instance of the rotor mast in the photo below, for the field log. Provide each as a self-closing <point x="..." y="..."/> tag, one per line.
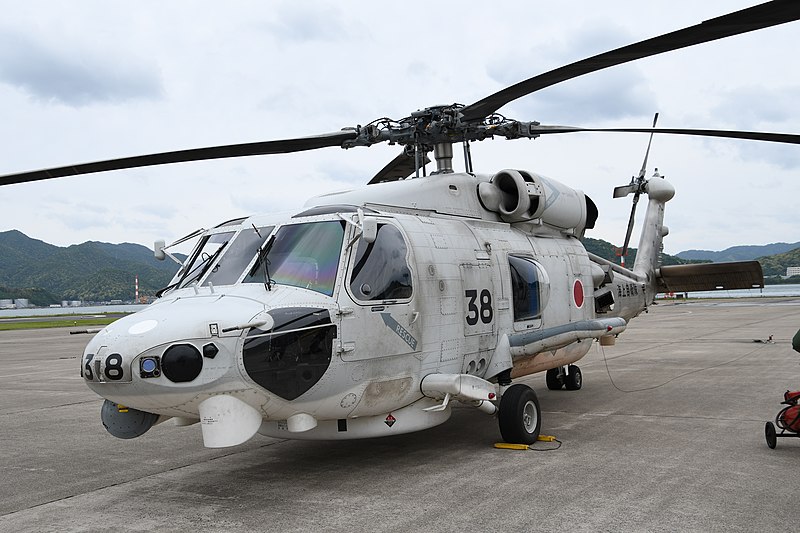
<point x="443" y="154"/>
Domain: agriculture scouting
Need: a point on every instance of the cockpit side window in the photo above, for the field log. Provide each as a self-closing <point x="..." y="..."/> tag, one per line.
<point x="526" y="288"/>
<point x="380" y="268"/>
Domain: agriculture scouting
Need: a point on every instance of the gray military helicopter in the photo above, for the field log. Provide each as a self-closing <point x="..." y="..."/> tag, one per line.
<point x="370" y="311"/>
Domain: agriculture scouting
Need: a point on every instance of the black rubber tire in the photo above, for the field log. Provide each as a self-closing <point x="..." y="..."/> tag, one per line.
<point x="554" y="381"/>
<point x="770" y="435"/>
<point x="520" y="416"/>
<point x="574" y="379"/>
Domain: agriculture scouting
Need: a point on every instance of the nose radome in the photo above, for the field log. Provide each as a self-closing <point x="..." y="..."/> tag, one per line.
<point x="179" y="319"/>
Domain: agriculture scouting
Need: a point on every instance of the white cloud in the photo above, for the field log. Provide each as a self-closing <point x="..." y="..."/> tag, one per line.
<point x="756" y="106"/>
<point x="75" y="78"/>
<point x="308" y="22"/>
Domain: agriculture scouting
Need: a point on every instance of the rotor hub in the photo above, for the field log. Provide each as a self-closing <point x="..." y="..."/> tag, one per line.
<point x="438" y="125"/>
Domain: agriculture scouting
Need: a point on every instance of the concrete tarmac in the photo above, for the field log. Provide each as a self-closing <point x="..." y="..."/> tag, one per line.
<point x="674" y="443"/>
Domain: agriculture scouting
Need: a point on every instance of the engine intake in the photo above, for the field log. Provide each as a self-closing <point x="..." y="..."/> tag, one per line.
<point x="520" y="196"/>
<point x="515" y="195"/>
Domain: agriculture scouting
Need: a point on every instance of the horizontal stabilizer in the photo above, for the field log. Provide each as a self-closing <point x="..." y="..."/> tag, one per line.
<point x="710" y="277"/>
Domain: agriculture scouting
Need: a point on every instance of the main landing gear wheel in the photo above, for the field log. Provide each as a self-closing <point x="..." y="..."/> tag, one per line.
<point x="574" y="379"/>
<point x="520" y="416"/>
<point x="770" y="435"/>
<point x="554" y="379"/>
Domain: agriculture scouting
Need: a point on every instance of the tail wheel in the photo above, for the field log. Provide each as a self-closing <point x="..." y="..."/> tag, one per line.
<point x="520" y="416"/>
<point x="554" y="381"/>
<point x="574" y="379"/>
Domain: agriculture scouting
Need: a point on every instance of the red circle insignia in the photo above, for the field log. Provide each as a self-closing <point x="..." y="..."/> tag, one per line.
<point x="577" y="293"/>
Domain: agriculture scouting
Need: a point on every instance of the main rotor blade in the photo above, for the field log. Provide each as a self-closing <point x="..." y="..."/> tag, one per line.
<point x="282" y="146"/>
<point x="789" y="138"/>
<point x="750" y="19"/>
<point x="398" y="168"/>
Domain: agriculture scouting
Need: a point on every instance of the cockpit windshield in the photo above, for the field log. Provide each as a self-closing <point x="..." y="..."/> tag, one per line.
<point x="203" y="257"/>
<point x="302" y="255"/>
<point x="239" y="253"/>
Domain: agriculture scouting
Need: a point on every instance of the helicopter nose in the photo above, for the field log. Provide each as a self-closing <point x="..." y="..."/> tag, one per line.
<point x="179" y="342"/>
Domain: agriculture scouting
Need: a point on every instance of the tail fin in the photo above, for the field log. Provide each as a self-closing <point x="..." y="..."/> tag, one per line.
<point x="683" y="278"/>
<point x="659" y="192"/>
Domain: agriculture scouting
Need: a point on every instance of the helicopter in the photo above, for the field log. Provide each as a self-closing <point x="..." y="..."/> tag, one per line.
<point x="370" y="312"/>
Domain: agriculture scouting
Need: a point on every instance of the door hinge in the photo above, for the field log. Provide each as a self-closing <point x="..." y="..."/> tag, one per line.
<point x="345" y="347"/>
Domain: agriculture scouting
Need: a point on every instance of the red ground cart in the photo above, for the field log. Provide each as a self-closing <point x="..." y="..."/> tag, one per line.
<point x="787" y="420"/>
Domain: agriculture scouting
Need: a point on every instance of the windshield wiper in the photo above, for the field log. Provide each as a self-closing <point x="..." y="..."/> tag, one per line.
<point x="202" y="268"/>
<point x="262" y="258"/>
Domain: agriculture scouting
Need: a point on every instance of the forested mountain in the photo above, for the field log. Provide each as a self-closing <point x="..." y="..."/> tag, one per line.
<point x="607" y="250"/>
<point x="740" y="253"/>
<point x="92" y="271"/>
<point x="775" y="265"/>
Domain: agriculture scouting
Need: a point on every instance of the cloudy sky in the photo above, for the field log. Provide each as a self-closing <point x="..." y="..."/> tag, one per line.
<point x="90" y="80"/>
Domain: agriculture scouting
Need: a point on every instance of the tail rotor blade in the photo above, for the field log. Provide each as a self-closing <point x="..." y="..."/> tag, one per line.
<point x="630" y="225"/>
<point x="624" y="190"/>
<point x="647" y="153"/>
<point x="635" y="186"/>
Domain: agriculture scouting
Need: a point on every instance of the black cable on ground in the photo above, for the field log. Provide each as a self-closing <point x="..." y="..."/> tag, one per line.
<point x="676" y="377"/>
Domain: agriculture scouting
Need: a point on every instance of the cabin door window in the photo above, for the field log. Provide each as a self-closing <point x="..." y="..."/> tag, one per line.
<point x="529" y="288"/>
<point x="380" y="268"/>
